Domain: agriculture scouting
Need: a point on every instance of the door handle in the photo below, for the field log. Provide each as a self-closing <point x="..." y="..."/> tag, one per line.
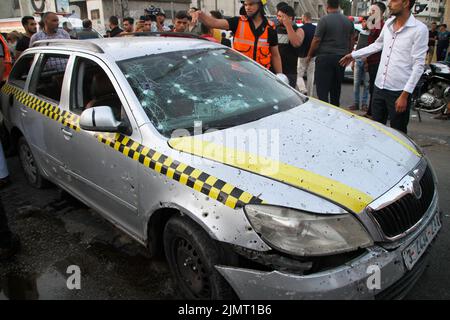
<point x="67" y="133"/>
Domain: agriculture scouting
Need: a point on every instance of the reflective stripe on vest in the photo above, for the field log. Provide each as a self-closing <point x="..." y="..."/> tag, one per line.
<point x="245" y="43"/>
<point x="7" y="59"/>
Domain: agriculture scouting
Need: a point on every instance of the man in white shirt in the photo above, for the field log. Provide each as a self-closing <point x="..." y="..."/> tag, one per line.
<point x="404" y="45"/>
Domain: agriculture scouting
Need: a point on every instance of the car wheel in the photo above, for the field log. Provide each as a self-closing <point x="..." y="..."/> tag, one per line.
<point x="192" y="255"/>
<point x="29" y="165"/>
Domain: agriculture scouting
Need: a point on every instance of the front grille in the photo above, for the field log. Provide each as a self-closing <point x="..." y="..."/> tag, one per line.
<point x="403" y="214"/>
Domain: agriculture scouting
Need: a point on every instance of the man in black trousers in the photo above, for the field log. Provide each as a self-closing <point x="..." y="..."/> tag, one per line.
<point x="334" y="37"/>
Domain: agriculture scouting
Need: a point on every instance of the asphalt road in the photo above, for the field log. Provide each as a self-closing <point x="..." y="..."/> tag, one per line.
<point x="57" y="232"/>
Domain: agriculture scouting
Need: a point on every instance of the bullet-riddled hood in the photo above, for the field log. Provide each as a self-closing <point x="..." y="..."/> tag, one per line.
<point x="315" y="147"/>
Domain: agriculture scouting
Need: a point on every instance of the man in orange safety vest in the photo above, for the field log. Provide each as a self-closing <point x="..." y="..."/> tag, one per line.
<point x="254" y="35"/>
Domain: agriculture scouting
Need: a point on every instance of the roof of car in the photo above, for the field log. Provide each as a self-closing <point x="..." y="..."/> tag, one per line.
<point x="122" y="48"/>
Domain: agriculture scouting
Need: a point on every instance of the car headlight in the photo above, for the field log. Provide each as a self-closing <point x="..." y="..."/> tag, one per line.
<point x="307" y="234"/>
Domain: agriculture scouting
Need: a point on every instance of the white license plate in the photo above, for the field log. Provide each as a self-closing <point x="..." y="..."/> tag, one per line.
<point x="417" y="248"/>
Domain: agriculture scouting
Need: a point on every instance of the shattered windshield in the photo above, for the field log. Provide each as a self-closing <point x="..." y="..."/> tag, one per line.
<point x="217" y="87"/>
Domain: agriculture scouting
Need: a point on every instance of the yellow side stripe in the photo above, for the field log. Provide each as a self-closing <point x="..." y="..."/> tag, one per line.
<point x="44" y="108"/>
<point x="196" y="179"/>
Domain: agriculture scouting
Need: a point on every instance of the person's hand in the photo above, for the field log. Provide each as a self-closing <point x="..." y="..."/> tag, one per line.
<point x="195" y="16"/>
<point x="353" y="66"/>
<point x="308" y="60"/>
<point x="401" y="104"/>
<point x="345" y="61"/>
<point x="284" y="20"/>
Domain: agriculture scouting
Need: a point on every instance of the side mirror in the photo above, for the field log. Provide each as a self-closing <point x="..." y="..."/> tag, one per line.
<point x="99" y="119"/>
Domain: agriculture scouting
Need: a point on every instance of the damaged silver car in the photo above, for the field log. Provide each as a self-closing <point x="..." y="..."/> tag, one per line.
<point x="250" y="189"/>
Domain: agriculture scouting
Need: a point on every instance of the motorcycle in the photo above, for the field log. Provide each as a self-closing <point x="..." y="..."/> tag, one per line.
<point x="432" y="93"/>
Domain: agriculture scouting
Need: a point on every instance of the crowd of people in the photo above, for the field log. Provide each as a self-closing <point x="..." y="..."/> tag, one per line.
<point x="438" y="42"/>
<point x="308" y="55"/>
<point x="388" y="68"/>
<point x="153" y="21"/>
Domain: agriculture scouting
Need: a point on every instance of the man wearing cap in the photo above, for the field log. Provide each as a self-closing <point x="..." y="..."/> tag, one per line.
<point x="160" y="18"/>
<point x="255" y="36"/>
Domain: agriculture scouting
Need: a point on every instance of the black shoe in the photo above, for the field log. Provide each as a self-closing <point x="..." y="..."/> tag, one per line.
<point x="9" y="249"/>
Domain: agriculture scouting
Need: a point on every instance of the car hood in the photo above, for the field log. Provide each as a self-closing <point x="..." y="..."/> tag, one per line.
<point x="315" y="147"/>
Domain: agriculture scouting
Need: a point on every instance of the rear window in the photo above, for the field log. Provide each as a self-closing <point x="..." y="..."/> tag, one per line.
<point x="20" y="71"/>
<point x="48" y="77"/>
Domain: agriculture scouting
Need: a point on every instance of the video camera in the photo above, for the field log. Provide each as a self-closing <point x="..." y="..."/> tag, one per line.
<point x="152" y="12"/>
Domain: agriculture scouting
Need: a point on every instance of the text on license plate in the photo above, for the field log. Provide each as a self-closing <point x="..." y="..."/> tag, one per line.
<point x="417" y="248"/>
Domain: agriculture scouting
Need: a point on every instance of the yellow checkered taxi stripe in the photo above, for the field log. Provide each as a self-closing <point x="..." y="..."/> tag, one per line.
<point x="196" y="179"/>
<point x="47" y="109"/>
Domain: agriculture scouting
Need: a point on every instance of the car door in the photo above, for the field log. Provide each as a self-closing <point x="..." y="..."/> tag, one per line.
<point x="12" y="109"/>
<point x="39" y="105"/>
<point x="100" y="175"/>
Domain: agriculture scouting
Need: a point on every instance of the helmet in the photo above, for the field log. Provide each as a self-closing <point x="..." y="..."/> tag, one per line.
<point x="263" y="2"/>
<point x="261" y="8"/>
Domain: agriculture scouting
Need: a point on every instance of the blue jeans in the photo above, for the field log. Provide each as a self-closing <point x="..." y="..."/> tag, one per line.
<point x="360" y="75"/>
<point x="441" y="53"/>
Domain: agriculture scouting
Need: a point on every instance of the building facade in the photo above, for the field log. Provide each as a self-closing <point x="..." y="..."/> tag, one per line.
<point x="446" y="18"/>
<point x="98" y="11"/>
<point x="361" y="8"/>
<point x="433" y="12"/>
<point x="9" y="9"/>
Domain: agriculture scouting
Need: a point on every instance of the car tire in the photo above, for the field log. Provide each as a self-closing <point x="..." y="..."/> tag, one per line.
<point x="29" y="165"/>
<point x="192" y="255"/>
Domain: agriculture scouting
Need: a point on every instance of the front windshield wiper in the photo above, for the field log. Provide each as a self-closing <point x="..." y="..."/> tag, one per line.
<point x="218" y="127"/>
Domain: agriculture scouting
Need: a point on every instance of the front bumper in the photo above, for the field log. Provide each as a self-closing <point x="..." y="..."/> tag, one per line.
<point x="346" y="282"/>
